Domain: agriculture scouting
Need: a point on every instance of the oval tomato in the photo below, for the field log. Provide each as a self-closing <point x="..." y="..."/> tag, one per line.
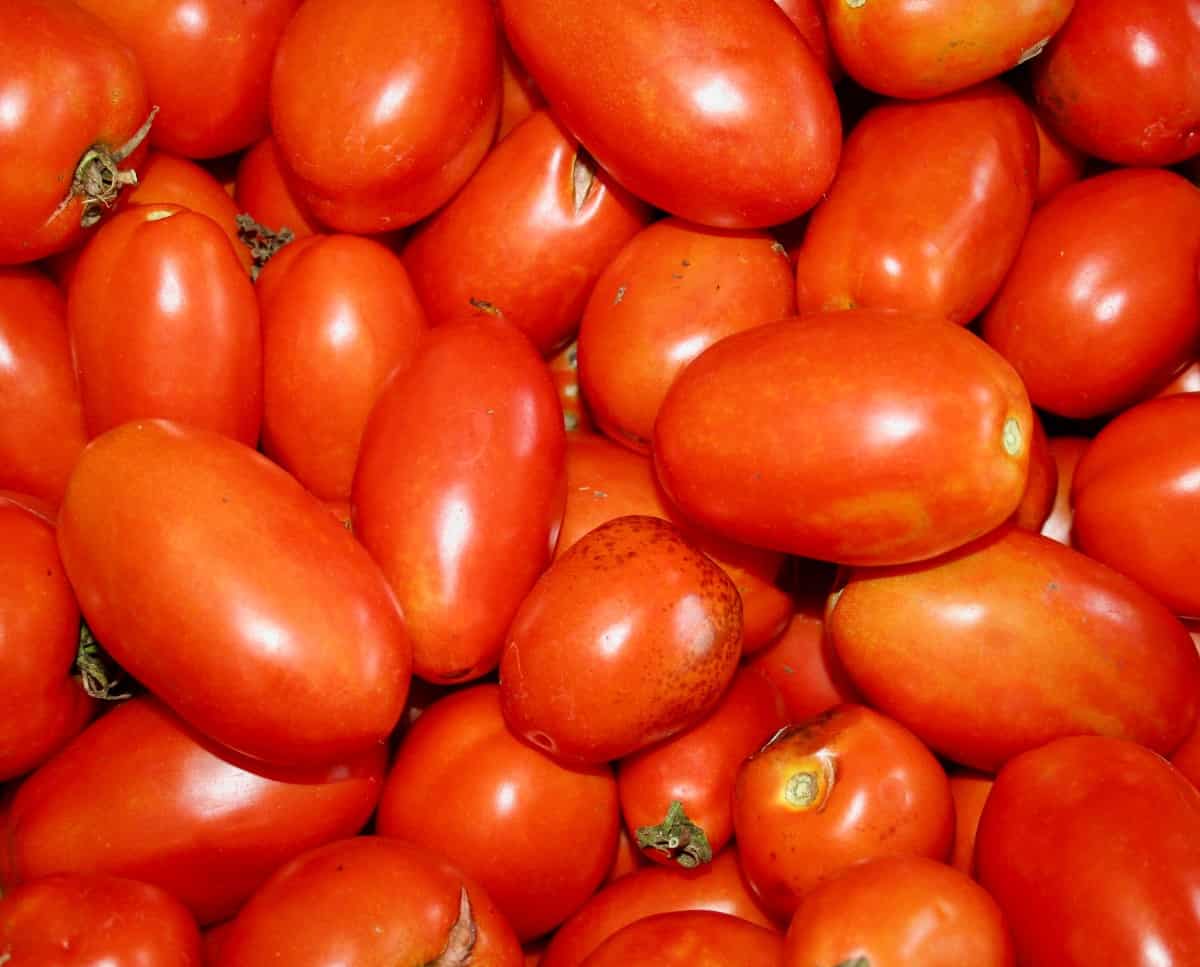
<point x="262" y="191"/>
<point x="1059" y="164"/>
<point x="519" y="96"/>
<point x="689" y="938"/>
<point x="970" y="791"/>
<point x="809" y="19"/>
<point x="1041" y="487"/>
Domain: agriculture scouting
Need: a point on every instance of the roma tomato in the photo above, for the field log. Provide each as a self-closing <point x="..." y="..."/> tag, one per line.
<point x="286" y="643"/>
<point x="1012" y="641"/>
<point x="628" y="638"/>
<point x="909" y="437"/>
<point x="1092" y="846"/>
<point x="1059" y="164"/>
<point x="519" y="96"/>
<point x="262" y="191"/>
<point x="1067" y="451"/>
<point x="458" y="491"/>
<point x="970" y="791"/>
<point x="1041" y="487"/>
<point x="689" y="938"/>
<point x="715" y="110"/>
<point x="809" y="19"/>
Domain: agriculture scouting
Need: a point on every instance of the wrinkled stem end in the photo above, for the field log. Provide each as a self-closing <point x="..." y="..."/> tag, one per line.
<point x="678" y="838"/>
<point x="262" y="242"/>
<point x="98" y="674"/>
<point x="98" y="177"/>
<point x="460" y="942"/>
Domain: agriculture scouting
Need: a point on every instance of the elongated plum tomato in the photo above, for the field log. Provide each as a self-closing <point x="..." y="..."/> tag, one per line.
<point x="628" y="638"/>
<point x="906" y="435"/>
<point x="715" y="110"/>
<point x="286" y="642"/>
<point x="689" y="938"/>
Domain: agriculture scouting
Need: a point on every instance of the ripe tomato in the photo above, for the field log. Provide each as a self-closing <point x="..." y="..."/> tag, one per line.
<point x="970" y="791"/>
<point x="261" y="189"/>
<point x="1041" y="487"/>
<point x="1059" y="164"/>
<point x="629" y="857"/>
<point x="519" y="96"/>
<point x="809" y="19"/>
<point x="689" y="938"/>
<point x="1186" y="758"/>
<point x="1187" y="380"/>
<point x="1066" y="451"/>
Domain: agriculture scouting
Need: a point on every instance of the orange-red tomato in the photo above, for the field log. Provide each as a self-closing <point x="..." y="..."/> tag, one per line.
<point x="1041" y="487"/>
<point x="809" y="19"/>
<point x="1059" y="164"/>
<point x="519" y="96"/>
<point x="970" y="791"/>
<point x="689" y="938"/>
<point x="1066" y="451"/>
<point x="1187" y="380"/>
<point x="261" y="190"/>
<point x="629" y="857"/>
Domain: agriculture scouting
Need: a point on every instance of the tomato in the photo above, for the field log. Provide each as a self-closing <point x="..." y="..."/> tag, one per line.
<point x="1059" y="164"/>
<point x="72" y="99"/>
<point x="1092" y="845"/>
<point x="910" y="437"/>
<point x="689" y="938"/>
<point x="261" y="189"/>
<point x="527" y="236"/>
<point x="1187" y="380"/>
<point x="1134" y="495"/>
<point x="286" y="643"/>
<point x="629" y="857"/>
<point x="164" y="324"/>
<point x="1121" y="81"/>
<point x="899" y="910"/>
<point x="371" y="901"/>
<point x="670" y="293"/>
<point x="1012" y="641"/>
<point x="970" y="791"/>
<point x="537" y="836"/>
<point x="715" y="110"/>
<point x="212" y="943"/>
<point x="564" y="367"/>
<point x="339" y="315"/>
<point x="139" y="794"/>
<point x="84" y="920"/>
<point x="677" y="796"/>
<point x="928" y="207"/>
<point x="1066" y="451"/>
<point x="1101" y="307"/>
<point x="1186" y="758"/>
<point x="1041" y="487"/>
<point x="458" y="491"/>
<point x="808" y="18"/>
<point x="41" y="417"/>
<point x="846" y="786"/>
<point x="519" y="96"/>
<point x="630" y="637"/>
<point x="381" y="114"/>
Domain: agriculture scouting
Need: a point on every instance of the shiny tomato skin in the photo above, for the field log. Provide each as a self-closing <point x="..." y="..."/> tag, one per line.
<point x="123" y="799"/>
<point x="339" y="316"/>
<point x="286" y="642"/>
<point x="649" y="629"/>
<point x="382" y="145"/>
<point x="1041" y="487"/>
<point x="1067" y="451"/>
<point x="262" y="191"/>
<point x="1134" y="495"/>
<point x="1187" y="380"/>
<point x="1092" y="846"/>
<point x="714" y="110"/>
<point x="459" y="490"/>
<point x="41" y="416"/>
<point x="537" y="836"/>
<point x="82" y="920"/>
<point x="372" y="902"/>
<point x="164" y="325"/>
<point x="1101" y="306"/>
<point x="970" y="791"/>
<point x="689" y="938"/>
<point x="928" y="208"/>
<point x="528" y="235"/>
<point x="906" y="435"/>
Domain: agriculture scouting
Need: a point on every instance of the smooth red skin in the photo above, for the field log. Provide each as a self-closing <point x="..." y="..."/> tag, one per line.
<point x="164" y="324"/>
<point x="970" y="791"/>
<point x="1134" y="495"/>
<point x="605" y="481"/>
<point x="628" y="859"/>
<point x="1066" y="451"/>
<point x="1101" y="306"/>
<point x="1059" y="164"/>
<point x="697" y="767"/>
<point x="655" y="624"/>
<point x="519" y="96"/>
<point x="370" y="901"/>
<point x="717" y="886"/>
<point x="895" y="911"/>
<point x="1030" y="641"/>
<point x="690" y="938"/>
<point x="261" y="190"/>
<point x="41" y="417"/>
<point x="1186" y="381"/>
<point x="380" y="115"/>
<point x="459" y="488"/>
<point x="896" y="442"/>
<point x="809" y="19"/>
<point x="286" y="642"/>
<point x="564" y="368"/>
<point x="928" y="208"/>
<point x="518" y="238"/>
<point x="69" y="83"/>
<point x="922" y="50"/>
<point x="74" y="920"/>
<point x="1186" y="758"/>
<point x="538" y="837"/>
<point x="671" y="292"/>
<point x="1041" y="486"/>
<point x="714" y="110"/>
<point x="1092" y="845"/>
<point x="339" y="316"/>
<point x="139" y="794"/>
<point x="889" y="797"/>
<point x="39" y="633"/>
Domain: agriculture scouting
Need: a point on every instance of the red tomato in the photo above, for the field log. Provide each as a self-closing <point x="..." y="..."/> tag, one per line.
<point x="1187" y="380"/>
<point x="630" y="637"/>
<point x="970" y="791"/>
<point x="1091" y="846"/>
<point x="164" y="324"/>
<point x="715" y="110"/>
<point x="74" y="920"/>
<point x="286" y="643"/>
<point x="213" y="943"/>
<point x="1186" y="758"/>
<point x="458" y="492"/>
<point x="507" y="826"/>
<point x="339" y="315"/>
<point x="1101" y="307"/>
<point x="519" y="96"/>
<point x="373" y="902"/>
<point x="911" y="437"/>
<point x="629" y="857"/>
<point x="846" y="786"/>
<point x="381" y="113"/>
<point x="809" y="19"/>
<point x="1041" y="487"/>
<point x="1059" y="164"/>
<point x="1066" y="451"/>
<point x="689" y="938"/>
<point x="527" y="236"/>
<point x="262" y="191"/>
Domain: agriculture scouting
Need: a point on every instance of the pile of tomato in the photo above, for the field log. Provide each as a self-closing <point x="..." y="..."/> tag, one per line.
<point x="541" y="482"/>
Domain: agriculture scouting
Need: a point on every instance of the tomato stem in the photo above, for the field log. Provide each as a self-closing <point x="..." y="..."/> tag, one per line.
<point x="460" y="942"/>
<point x="677" y="837"/>
<point x="262" y="242"/>
<point x="98" y="673"/>
<point x="98" y="177"/>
